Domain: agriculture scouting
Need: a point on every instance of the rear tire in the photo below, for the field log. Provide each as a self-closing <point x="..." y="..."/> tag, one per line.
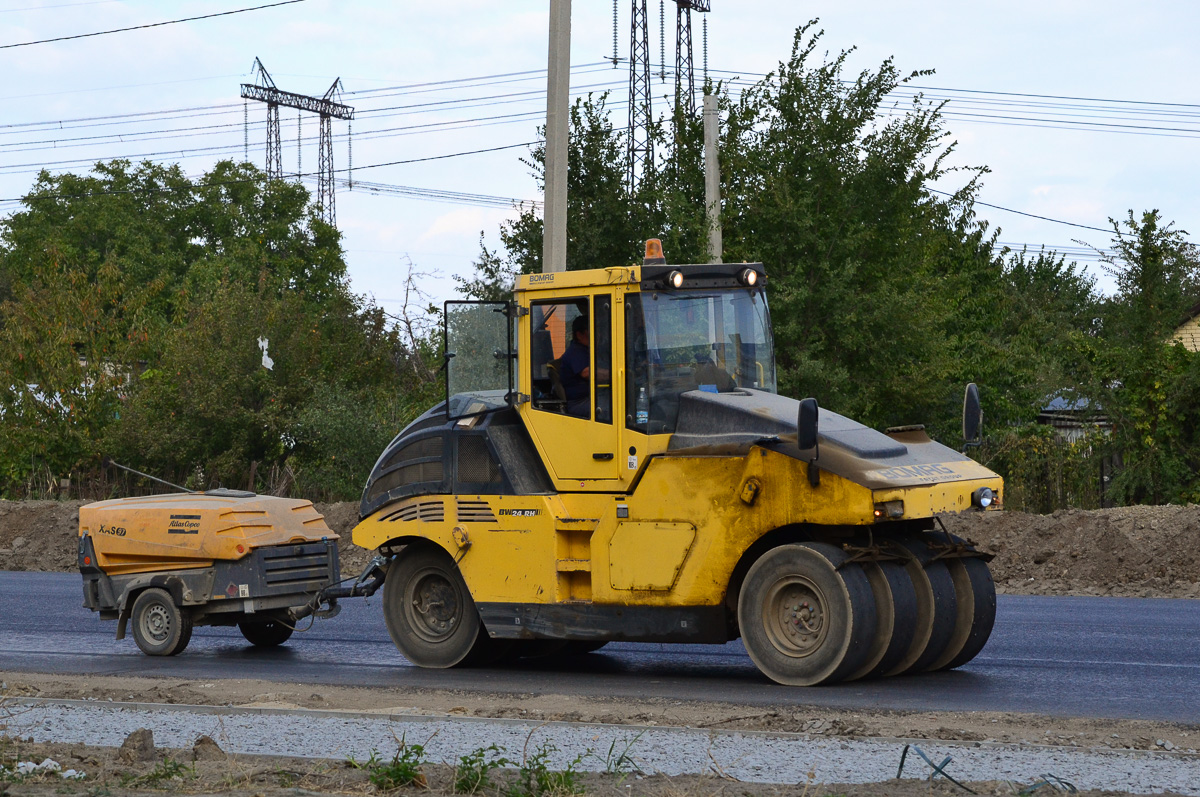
<point x="976" y="593"/>
<point x="429" y="611"/>
<point x="160" y="628"/>
<point x="937" y="607"/>
<point x="265" y="634"/>
<point x="803" y="620"/>
<point x="896" y="610"/>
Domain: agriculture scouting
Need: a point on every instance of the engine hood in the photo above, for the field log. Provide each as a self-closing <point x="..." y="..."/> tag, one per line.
<point x="739" y="419"/>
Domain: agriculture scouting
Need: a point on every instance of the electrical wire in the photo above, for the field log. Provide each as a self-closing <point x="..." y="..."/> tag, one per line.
<point x="150" y="25"/>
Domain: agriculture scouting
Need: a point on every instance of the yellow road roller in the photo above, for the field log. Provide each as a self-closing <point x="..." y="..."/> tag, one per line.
<point x="613" y="462"/>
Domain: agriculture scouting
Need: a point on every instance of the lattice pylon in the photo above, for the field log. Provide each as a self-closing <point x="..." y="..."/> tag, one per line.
<point x="641" y="146"/>
<point x="274" y="144"/>
<point x="325" y="194"/>
<point x="685" y="78"/>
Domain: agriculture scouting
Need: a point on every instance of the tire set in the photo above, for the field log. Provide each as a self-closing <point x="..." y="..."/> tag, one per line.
<point x="807" y="612"/>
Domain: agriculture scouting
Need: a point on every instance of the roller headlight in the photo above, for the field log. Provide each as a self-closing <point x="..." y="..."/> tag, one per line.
<point x="675" y="279"/>
<point x="748" y="277"/>
<point x="983" y="497"/>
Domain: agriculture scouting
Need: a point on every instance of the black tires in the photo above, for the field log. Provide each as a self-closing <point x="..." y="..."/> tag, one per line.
<point x="975" y="592"/>
<point x="937" y="606"/>
<point x="265" y="633"/>
<point x="807" y="617"/>
<point x="895" y="617"/>
<point x="160" y="628"/>
<point x="429" y="612"/>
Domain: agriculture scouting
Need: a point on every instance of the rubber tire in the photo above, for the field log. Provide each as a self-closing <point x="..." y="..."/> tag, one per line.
<point x="896" y="609"/>
<point x="937" y="607"/>
<point x="265" y="634"/>
<point x="431" y="569"/>
<point x="177" y="630"/>
<point x="847" y="613"/>
<point x="976" y="593"/>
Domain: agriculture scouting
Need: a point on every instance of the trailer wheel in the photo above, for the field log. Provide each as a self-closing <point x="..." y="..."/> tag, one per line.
<point x="806" y="616"/>
<point x="265" y="634"/>
<point x="429" y="611"/>
<point x="160" y="628"/>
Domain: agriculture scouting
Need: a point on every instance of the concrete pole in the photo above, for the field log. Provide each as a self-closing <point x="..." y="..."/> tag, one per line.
<point x="558" y="86"/>
<point x="712" y="179"/>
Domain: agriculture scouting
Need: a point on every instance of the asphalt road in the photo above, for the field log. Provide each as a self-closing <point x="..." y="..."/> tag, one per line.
<point x="1122" y="658"/>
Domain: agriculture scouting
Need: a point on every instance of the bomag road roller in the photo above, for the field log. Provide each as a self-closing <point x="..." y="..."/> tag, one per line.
<point x="665" y="492"/>
<point x="221" y="557"/>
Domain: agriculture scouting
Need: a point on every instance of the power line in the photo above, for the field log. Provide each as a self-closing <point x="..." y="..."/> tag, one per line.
<point x="150" y="25"/>
<point x="1032" y="215"/>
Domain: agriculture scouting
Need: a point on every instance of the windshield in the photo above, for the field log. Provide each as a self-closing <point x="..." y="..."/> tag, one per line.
<point x="677" y="341"/>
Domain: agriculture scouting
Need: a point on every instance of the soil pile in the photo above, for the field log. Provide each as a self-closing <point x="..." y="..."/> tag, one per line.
<point x="1141" y="551"/>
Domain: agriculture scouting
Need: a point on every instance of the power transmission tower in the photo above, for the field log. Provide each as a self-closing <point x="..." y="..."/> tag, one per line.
<point x="641" y="146"/>
<point x="328" y="107"/>
<point x="685" y="75"/>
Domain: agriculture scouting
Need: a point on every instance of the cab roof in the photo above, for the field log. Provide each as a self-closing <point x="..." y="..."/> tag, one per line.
<point x="646" y="277"/>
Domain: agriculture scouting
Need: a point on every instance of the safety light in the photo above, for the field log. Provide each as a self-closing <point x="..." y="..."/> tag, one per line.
<point x="654" y="253"/>
<point x="983" y="497"/>
<point x="890" y="509"/>
<point x="675" y="279"/>
<point x="749" y="277"/>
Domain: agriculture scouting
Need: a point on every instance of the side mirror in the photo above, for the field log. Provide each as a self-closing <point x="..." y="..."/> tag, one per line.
<point x="972" y="424"/>
<point x="806" y="425"/>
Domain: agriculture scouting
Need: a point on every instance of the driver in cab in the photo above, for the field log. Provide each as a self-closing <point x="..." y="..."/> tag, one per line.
<point x="575" y="369"/>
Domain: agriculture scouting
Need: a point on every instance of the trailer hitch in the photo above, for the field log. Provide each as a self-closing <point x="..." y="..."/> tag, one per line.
<point x="367" y="584"/>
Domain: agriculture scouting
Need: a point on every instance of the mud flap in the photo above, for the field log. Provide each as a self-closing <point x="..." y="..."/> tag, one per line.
<point x="122" y="622"/>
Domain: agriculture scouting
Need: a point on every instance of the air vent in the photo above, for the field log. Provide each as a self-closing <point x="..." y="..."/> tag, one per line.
<point x="426" y="511"/>
<point x="475" y="512"/>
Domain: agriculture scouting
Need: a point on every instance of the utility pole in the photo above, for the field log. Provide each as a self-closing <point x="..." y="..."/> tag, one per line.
<point x="558" y="122"/>
<point x="712" y="178"/>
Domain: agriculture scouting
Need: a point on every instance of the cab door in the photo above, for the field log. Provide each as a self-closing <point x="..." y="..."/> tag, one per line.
<point x="572" y="424"/>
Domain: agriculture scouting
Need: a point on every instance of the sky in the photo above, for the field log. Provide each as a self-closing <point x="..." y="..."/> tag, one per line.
<point x="1081" y="110"/>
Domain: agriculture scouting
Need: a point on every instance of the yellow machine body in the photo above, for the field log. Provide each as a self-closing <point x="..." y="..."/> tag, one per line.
<point x="635" y="533"/>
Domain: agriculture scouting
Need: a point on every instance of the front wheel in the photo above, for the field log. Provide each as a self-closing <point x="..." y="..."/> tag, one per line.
<point x="807" y="616"/>
<point x="265" y="633"/>
<point x="160" y="628"/>
<point x="429" y="612"/>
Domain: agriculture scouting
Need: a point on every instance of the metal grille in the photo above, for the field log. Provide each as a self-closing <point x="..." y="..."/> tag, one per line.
<point x="295" y="568"/>
<point x="420" y="461"/>
<point x="475" y="462"/>
<point x="425" y="511"/>
<point x="475" y="512"/>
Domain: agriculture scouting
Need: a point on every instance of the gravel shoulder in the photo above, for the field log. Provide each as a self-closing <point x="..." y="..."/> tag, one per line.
<point x="982" y="727"/>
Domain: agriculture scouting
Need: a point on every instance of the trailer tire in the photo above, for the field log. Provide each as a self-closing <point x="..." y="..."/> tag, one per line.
<point x="429" y="611"/>
<point x="160" y="628"/>
<point x="807" y="616"/>
<point x="265" y="634"/>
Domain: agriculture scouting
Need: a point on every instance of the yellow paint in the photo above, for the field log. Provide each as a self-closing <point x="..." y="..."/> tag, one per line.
<point x="648" y="555"/>
<point x="182" y="531"/>
<point x="668" y="531"/>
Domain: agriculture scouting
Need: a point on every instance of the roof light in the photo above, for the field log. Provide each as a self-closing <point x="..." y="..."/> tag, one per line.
<point x="748" y="277"/>
<point x="654" y="253"/>
<point x="675" y="279"/>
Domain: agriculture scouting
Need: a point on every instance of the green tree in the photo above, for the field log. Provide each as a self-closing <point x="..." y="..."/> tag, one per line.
<point x="1148" y="386"/>
<point x="134" y="299"/>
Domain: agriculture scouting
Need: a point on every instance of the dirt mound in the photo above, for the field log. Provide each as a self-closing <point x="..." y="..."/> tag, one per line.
<point x="1137" y="551"/>
<point x="1141" y="551"/>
